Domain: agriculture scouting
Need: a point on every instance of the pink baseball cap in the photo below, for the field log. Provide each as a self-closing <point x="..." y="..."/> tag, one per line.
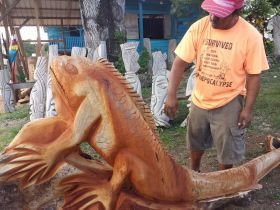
<point x="221" y="8"/>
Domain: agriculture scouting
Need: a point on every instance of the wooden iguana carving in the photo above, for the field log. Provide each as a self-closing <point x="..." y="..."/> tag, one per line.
<point x="95" y="103"/>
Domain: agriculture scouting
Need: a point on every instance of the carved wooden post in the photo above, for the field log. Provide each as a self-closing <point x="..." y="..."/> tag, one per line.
<point x="102" y="24"/>
<point x="130" y="58"/>
<point x="50" y="107"/>
<point x="79" y="51"/>
<point x="7" y="91"/>
<point x="276" y="35"/>
<point x="38" y="93"/>
<point x="159" y="89"/>
<point x="99" y="52"/>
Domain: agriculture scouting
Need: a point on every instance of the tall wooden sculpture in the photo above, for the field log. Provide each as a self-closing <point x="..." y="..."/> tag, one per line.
<point x="95" y="103"/>
<point x="50" y="104"/>
<point x="78" y="51"/>
<point x="159" y="89"/>
<point x="130" y="58"/>
<point x="38" y="92"/>
<point x="6" y="91"/>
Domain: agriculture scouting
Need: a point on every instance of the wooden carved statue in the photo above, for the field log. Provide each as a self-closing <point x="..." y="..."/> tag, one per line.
<point x="78" y="51"/>
<point x="50" y="106"/>
<point x="99" y="52"/>
<point x="38" y="92"/>
<point x="130" y="58"/>
<point x="159" y="89"/>
<point x="6" y="90"/>
<point x="95" y="103"/>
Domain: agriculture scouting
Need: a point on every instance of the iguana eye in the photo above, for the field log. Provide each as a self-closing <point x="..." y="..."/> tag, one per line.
<point x="70" y="68"/>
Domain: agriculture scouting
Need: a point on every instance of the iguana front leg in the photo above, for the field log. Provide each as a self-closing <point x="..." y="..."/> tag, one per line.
<point x="85" y="194"/>
<point x="46" y="157"/>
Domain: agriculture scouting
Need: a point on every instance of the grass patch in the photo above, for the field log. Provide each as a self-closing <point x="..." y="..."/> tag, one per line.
<point x="266" y="109"/>
<point x="276" y="196"/>
<point x="22" y="112"/>
<point x="8" y="135"/>
<point x="147" y="93"/>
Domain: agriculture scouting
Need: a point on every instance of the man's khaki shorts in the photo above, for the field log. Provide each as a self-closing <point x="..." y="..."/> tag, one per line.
<point x="218" y="126"/>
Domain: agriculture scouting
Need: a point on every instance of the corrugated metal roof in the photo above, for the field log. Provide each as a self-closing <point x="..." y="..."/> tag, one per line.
<point x="51" y="12"/>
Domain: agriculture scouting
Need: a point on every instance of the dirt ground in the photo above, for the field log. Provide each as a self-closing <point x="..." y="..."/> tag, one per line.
<point x="268" y="198"/>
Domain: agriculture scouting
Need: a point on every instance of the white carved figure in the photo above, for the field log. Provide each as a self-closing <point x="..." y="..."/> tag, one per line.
<point x="99" y="52"/>
<point x="159" y="89"/>
<point x="276" y="35"/>
<point x="50" y="106"/>
<point x="6" y="90"/>
<point x="38" y="92"/>
<point x="130" y="58"/>
<point x="78" y="51"/>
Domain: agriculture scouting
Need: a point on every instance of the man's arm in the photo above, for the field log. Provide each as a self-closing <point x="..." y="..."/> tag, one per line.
<point x="253" y="87"/>
<point x="176" y="75"/>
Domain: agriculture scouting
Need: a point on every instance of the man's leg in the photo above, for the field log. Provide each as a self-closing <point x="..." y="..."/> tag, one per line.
<point x="228" y="137"/>
<point x="198" y="135"/>
<point x="196" y="159"/>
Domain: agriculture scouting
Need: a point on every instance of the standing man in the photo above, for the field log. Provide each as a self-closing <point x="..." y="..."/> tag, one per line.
<point x="230" y="57"/>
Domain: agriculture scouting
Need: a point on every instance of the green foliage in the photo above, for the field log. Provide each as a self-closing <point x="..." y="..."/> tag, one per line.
<point x="259" y="13"/>
<point x="29" y="48"/>
<point x="144" y="61"/>
<point x="119" y="37"/>
<point x="181" y="8"/>
<point x="276" y="4"/>
<point x="269" y="47"/>
<point x="20" y="76"/>
<point x="276" y="196"/>
<point x="120" y="65"/>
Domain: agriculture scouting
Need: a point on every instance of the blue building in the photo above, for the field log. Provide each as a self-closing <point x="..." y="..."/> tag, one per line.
<point x="143" y="19"/>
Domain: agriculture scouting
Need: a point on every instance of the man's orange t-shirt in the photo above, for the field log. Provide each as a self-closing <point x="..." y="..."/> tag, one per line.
<point x="223" y="58"/>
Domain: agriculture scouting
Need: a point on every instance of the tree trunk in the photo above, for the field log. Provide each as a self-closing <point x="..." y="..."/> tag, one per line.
<point x="102" y="19"/>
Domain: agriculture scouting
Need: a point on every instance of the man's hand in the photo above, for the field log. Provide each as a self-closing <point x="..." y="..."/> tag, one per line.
<point x="253" y="87"/>
<point x="175" y="77"/>
<point x="245" y="119"/>
<point x="171" y="107"/>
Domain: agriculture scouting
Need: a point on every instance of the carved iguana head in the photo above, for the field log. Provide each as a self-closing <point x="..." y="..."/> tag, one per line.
<point x="69" y="73"/>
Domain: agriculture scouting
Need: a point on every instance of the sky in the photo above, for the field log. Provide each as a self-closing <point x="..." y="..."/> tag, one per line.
<point x="28" y="32"/>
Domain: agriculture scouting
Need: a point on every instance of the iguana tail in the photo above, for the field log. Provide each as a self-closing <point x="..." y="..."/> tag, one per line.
<point x="235" y="180"/>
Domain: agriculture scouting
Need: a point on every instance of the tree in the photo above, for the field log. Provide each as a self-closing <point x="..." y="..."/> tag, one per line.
<point x="181" y="8"/>
<point x="259" y="12"/>
<point x="102" y="19"/>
